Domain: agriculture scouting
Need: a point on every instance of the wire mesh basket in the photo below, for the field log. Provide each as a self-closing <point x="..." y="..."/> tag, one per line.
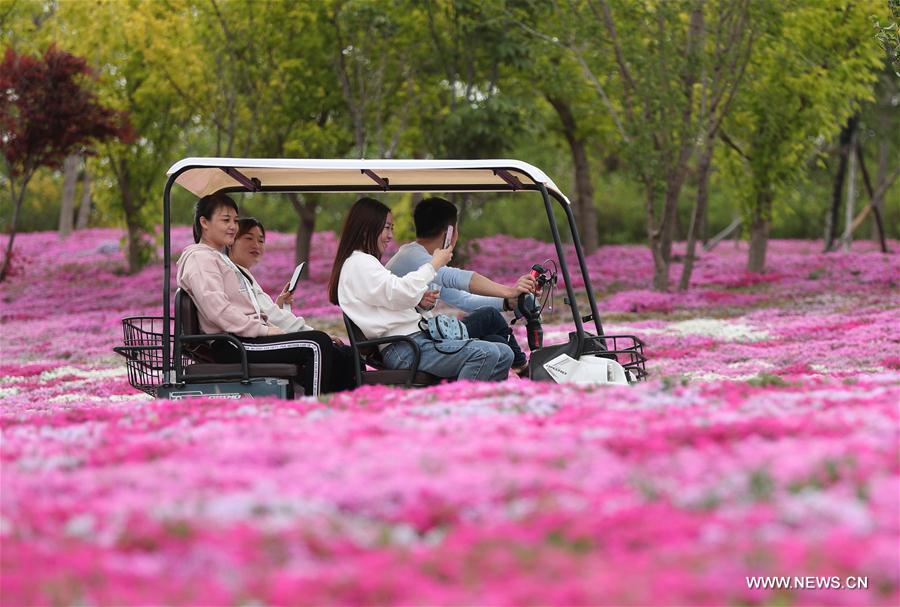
<point x="627" y="350"/>
<point x="143" y="352"/>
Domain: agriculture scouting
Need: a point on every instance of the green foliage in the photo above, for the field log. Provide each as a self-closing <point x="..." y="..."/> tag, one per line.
<point x="765" y="380"/>
<point x="377" y="71"/>
<point x="143" y="63"/>
<point x="761" y="485"/>
<point x="274" y="92"/>
<point x="22" y="24"/>
<point x="41" y="204"/>
<point x="813" y="67"/>
<point x="471" y="79"/>
<point x="887" y="33"/>
<point x="478" y="129"/>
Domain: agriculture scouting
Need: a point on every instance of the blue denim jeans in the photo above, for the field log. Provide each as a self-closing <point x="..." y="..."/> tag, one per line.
<point x="488" y="323"/>
<point x="470" y="359"/>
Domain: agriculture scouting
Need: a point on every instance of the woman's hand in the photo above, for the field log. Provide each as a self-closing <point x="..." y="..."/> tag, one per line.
<point x="441" y="257"/>
<point x="286" y="297"/>
<point x="273" y="330"/>
<point x="429" y="300"/>
<point x="336" y="340"/>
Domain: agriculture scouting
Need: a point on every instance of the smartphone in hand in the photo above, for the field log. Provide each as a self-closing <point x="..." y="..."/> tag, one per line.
<point x="296" y="276"/>
<point x="449" y="237"/>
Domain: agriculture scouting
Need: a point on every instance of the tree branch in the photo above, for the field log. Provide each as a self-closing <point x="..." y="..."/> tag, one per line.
<point x="630" y="86"/>
<point x="588" y="73"/>
<point x="730" y="143"/>
<point x="341" y="66"/>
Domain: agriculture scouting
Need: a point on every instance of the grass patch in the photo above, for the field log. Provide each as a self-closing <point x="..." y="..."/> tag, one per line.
<point x="766" y="380"/>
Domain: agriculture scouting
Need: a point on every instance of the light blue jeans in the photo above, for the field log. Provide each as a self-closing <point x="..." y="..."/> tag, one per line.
<point x="471" y="359"/>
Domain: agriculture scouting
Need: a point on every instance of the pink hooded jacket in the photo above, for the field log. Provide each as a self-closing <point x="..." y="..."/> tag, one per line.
<point x="222" y="299"/>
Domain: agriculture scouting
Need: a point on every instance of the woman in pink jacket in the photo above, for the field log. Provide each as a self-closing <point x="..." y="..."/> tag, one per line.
<point x="226" y="303"/>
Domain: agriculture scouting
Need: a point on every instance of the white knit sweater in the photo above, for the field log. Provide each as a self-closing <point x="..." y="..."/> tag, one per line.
<point x="281" y="318"/>
<point x="380" y="303"/>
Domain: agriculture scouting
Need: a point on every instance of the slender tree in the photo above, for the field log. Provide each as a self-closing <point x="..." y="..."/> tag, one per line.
<point x="276" y="93"/>
<point x="67" y="204"/>
<point x="844" y="152"/>
<point x="585" y="212"/>
<point x="84" y="210"/>
<point x="47" y="113"/>
<point x="734" y="28"/>
<point x="815" y="65"/>
<point x="559" y="68"/>
<point x="649" y="64"/>
<point x="377" y="73"/>
<point x="135" y="47"/>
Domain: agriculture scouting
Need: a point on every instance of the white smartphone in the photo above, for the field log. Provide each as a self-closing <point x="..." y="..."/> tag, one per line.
<point x="449" y="237"/>
<point x="296" y="276"/>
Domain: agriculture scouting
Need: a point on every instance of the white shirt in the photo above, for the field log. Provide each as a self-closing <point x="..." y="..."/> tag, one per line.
<point x="281" y="318"/>
<point x="378" y="302"/>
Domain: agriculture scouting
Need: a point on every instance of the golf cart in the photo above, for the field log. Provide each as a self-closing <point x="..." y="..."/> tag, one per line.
<point x="168" y="356"/>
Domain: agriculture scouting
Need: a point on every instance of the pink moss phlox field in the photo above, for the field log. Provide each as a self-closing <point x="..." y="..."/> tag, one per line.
<point x="766" y="443"/>
<point x="457" y="494"/>
<point x="622" y="273"/>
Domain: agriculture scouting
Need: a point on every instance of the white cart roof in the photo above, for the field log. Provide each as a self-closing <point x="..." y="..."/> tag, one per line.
<point x="208" y="175"/>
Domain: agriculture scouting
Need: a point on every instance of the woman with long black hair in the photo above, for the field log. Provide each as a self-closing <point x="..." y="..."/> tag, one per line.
<point x="382" y="304"/>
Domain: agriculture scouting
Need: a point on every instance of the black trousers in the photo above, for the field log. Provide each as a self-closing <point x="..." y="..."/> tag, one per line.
<point x="324" y="366"/>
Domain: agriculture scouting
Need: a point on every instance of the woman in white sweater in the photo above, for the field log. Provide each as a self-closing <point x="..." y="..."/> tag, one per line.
<point x="382" y="304"/>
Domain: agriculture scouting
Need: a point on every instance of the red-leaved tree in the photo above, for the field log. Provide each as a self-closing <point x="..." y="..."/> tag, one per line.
<point x="46" y="113"/>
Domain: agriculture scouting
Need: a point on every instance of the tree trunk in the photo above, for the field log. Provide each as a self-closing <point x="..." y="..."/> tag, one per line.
<point x="876" y="197"/>
<point x="134" y="233"/>
<point x="670" y="211"/>
<point x="660" y="268"/>
<point x="759" y="239"/>
<point x="850" y="206"/>
<point x="703" y="226"/>
<point x="84" y="211"/>
<point x="660" y="263"/>
<point x="837" y="189"/>
<point x="132" y="222"/>
<point x="831" y="219"/>
<point x="67" y="205"/>
<point x="134" y="246"/>
<point x="16" y="198"/>
<point x="306" y="212"/>
<point x="880" y="177"/>
<point x="698" y="214"/>
<point x="585" y="212"/>
<point x="461" y="202"/>
<point x="759" y="233"/>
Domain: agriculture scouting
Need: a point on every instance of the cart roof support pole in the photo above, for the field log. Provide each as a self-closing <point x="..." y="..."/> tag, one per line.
<point x="167" y="273"/>
<point x="584" y="269"/>
<point x="570" y="292"/>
